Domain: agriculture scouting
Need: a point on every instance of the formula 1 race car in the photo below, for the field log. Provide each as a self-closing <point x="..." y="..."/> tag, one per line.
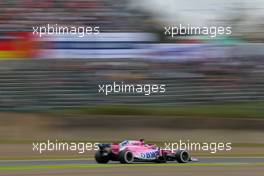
<point x="130" y="151"/>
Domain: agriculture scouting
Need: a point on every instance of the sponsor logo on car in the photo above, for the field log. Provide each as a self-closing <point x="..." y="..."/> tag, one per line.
<point x="148" y="155"/>
<point x="123" y="144"/>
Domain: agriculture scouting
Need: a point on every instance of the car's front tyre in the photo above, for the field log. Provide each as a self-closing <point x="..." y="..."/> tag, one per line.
<point x="182" y="156"/>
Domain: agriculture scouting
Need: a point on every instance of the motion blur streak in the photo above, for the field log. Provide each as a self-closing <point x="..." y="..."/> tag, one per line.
<point x="131" y="47"/>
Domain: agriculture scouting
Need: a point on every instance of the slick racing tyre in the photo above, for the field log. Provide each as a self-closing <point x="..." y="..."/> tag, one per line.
<point x="182" y="156"/>
<point x="126" y="157"/>
<point x="101" y="157"/>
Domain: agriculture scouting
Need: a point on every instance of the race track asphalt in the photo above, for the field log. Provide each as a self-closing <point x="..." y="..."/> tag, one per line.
<point x="216" y="166"/>
<point x="202" y="160"/>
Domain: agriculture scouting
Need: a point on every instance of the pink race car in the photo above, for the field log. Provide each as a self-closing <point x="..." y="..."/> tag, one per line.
<point x="130" y="151"/>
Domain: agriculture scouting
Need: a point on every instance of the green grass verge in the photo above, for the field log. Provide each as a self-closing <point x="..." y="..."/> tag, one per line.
<point x="229" y="110"/>
<point x="79" y="166"/>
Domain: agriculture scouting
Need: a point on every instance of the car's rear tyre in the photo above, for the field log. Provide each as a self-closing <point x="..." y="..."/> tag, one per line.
<point x="126" y="157"/>
<point x="182" y="156"/>
<point x="101" y="157"/>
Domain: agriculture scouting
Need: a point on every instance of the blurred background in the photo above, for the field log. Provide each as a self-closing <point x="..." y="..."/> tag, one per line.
<point x="49" y="85"/>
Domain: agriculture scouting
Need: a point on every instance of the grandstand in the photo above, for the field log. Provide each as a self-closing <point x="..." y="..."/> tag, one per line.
<point x="49" y="84"/>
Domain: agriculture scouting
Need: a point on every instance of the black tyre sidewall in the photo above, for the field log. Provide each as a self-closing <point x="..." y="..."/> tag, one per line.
<point x="123" y="157"/>
<point x="179" y="156"/>
<point x="100" y="158"/>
